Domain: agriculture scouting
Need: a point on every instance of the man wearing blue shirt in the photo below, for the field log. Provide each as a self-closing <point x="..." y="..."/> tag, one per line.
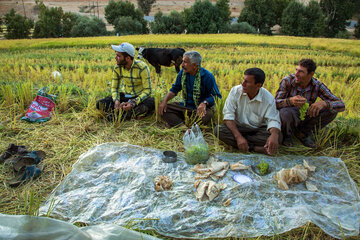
<point x="199" y="91"/>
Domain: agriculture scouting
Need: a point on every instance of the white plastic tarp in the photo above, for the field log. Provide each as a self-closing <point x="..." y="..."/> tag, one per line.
<point x="113" y="183"/>
<point x="22" y="227"/>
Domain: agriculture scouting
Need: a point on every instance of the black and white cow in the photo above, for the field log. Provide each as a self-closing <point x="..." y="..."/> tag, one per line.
<point x="162" y="56"/>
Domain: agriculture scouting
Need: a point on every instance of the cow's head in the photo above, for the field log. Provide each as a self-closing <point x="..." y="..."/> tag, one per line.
<point x="140" y="52"/>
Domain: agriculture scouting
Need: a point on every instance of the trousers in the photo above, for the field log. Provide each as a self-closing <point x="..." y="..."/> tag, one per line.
<point x="290" y="121"/>
<point x="141" y="110"/>
<point x="175" y="114"/>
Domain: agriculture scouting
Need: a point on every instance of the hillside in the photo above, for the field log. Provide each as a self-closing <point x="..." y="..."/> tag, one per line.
<point x="97" y="7"/>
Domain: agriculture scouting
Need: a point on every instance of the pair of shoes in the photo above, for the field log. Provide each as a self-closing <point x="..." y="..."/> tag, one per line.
<point x="30" y="158"/>
<point x="306" y="140"/>
<point x="288" y="141"/>
<point x="12" y="150"/>
<point x="28" y="173"/>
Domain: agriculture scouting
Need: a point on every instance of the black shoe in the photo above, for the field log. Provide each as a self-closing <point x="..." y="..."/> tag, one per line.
<point x="306" y="140"/>
<point x="288" y="141"/>
<point x="12" y="150"/>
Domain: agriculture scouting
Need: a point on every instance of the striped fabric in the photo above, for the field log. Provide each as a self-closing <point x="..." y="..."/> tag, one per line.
<point x="135" y="82"/>
<point x="315" y="89"/>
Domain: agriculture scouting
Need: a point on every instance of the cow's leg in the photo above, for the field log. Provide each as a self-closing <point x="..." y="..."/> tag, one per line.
<point x="178" y="63"/>
<point x="158" y="69"/>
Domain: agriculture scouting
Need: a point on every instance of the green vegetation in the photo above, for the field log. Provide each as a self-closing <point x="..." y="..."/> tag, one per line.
<point x="17" y="25"/>
<point x="86" y="27"/>
<point x="204" y="17"/>
<point x="197" y="153"/>
<point x="312" y="23"/>
<point x="263" y="167"/>
<point x="173" y="23"/>
<point x="53" y="22"/>
<point x="125" y="18"/>
<point x="145" y="5"/>
<point x="303" y="111"/>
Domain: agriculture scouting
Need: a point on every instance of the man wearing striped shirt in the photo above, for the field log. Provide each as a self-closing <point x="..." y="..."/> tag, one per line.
<point x="294" y="91"/>
<point x="130" y="86"/>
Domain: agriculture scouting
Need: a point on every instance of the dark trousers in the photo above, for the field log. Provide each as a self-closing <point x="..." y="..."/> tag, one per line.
<point x="175" y="114"/>
<point x="141" y="110"/>
<point x="254" y="137"/>
<point x="290" y="121"/>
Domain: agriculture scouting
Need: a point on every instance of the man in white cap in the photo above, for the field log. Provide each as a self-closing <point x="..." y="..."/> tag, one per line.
<point x="130" y="87"/>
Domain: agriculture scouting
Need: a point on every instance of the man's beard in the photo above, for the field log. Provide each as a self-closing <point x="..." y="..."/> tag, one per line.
<point x="122" y="63"/>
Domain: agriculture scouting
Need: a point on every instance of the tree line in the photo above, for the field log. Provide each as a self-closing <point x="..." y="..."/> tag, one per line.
<point x="327" y="18"/>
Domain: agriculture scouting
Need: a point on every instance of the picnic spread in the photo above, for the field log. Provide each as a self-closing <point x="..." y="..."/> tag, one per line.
<point x="114" y="183"/>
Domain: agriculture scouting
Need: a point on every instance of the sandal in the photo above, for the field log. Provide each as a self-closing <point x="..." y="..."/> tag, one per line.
<point x="12" y="150"/>
<point x="30" y="158"/>
<point x="30" y="172"/>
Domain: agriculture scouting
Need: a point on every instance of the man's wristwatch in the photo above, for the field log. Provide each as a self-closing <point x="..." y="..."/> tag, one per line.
<point x="206" y="102"/>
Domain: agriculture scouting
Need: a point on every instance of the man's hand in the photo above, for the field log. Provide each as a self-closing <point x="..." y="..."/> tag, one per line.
<point x="126" y="106"/>
<point x="297" y="101"/>
<point x="201" y="110"/>
<point x="162" y="108"/>
<point x="117" y="105"/>
<point x="272" y="143"/>
<point x="242" y="144"/>
<point x="315" y="108"/>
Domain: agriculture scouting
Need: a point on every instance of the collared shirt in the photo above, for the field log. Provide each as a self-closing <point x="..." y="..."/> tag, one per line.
<point x="135" y="82"/>
<point x="288" y="88"/>
<point x="208" y="88"/>
<point x="255" y="113"/>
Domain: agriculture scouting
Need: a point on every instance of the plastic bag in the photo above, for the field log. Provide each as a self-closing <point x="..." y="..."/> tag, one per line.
<point x="40" y="109"/>
<point x="196" y="148"/>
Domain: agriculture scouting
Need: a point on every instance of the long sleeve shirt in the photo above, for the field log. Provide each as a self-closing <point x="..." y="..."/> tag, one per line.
<point x="208" y="88"/>
<point x="135" y="82"/>
<point x="255" y="113"/>
<point x="288" y="88"/>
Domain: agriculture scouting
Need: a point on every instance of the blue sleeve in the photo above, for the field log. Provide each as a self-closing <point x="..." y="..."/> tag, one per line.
<point x="212" y="88"/>
<point x="176" y="87"/>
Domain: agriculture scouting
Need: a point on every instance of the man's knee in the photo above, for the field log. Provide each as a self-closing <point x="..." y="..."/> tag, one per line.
<point x="286" y="113"/>
<point x="221" y="130"/>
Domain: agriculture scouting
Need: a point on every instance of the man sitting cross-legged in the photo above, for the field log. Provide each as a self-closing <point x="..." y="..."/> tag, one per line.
<point x="199" y="91"/>
<point x="252" y="122"/>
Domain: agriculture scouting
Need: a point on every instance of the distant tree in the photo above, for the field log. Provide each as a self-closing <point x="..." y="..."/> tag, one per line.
<point x="293" y="19"/>
<point x="127" y="25"/>
<point x="204" y="17"/>
<point x="115" y="10"/>
<point x="173" y="23"/>
<point x="315" y="20"/>
<point x="53" y="22"/>
<point x="86" y="26"/>
<point x="17" y="26"/>
<point x="242" y="27"/>
<point x="223" y="8"/>
<point x="336" y="13"/>
<point x="201" y="18"/>
<point x="357" y="29"/>
<point x="1" y="22"/>
<point x="300" y="20"/>
<point x="145" y="5"/>
<point x="260" y="14"/>
<point x="278" y="7"/>
<point x="343" y="34"/>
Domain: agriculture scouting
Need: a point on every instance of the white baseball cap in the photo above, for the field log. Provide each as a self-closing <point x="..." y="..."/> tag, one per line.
<point x="125" y="47"/>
